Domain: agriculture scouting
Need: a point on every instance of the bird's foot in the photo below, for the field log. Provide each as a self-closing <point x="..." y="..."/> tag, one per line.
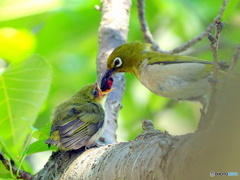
<point x="223" y="64"/>
<point x="92" y="145"/>
<point x="203" y="101"/>
<point x="203" y="112"/>
<point x="213" y="80"/>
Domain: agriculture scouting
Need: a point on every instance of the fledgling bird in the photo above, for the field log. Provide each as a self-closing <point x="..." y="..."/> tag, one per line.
<point x="172" y="76"/>
<point x="79" y="121"/>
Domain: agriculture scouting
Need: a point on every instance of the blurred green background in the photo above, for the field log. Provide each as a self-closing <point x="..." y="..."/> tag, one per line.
<point x="65" y="33"/>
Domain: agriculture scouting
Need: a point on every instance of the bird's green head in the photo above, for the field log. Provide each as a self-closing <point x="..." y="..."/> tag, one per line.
<point x="90" y="92"/>
<point x="125" y="58"/>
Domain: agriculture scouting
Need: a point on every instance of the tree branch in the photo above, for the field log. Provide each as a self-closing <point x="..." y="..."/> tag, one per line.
<point x="149" y="38"/>
<point x="112" y="33"/>
<point x="138" y="159"/>
<point x="206" y="119"/>
<point x="213" y="149"/>
<point x="145" y="28"/>
<point x="233" y="62"/>
<point x="9" y="165"/>
<point x="198" y="38"/>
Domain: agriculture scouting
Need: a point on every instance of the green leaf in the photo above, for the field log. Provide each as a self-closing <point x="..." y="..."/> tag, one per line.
<point x="39" y="146"/>
<point x="44" y="132"/>
<point x="23" y="89"/>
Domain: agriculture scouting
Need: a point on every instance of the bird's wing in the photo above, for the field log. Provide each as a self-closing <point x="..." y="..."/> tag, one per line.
<point x="78" y="125"/>
<point x="160" y="58"/>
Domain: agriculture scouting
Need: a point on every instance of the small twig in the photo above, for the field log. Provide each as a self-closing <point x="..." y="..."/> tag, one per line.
<point x="144" y="26"/>
<point x="112" y="32"/>
<point x="149" y="38"/>
<point x="214" y="46"/>
<point x="202" y="35"/>
<point x="233" y="62"/>
<point x="11" y="167"/>
<point x="205" y="119"/>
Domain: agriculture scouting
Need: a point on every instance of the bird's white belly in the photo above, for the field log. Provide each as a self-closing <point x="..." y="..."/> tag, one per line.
<point x="175" y="81"/>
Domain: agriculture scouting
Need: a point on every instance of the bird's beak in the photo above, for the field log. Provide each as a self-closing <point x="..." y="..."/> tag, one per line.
<point x="101" y="94"/>
<point x="106" y="79"/>
<point x="107" y="91"/>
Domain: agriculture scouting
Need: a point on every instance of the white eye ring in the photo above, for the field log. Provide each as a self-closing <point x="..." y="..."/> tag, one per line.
<point x="117" y="62"/>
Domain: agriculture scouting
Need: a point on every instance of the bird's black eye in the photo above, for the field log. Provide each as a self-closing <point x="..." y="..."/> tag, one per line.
<point x="117" y="62"/>
<point x="95" y="93"/>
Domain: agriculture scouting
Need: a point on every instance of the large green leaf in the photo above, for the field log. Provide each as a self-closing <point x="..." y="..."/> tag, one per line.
<point x="44" y="132"/>
<point x="39" y="146"/>
<point x="23" y="89"/>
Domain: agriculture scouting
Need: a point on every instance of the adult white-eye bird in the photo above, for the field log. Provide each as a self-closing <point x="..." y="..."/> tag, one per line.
<point x="172" y="76"/>
<point x="79" y="121"/>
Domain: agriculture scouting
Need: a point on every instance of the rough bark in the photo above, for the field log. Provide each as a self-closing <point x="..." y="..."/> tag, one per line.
<point x="113" y="32"/>
<point x="214" y="149"/>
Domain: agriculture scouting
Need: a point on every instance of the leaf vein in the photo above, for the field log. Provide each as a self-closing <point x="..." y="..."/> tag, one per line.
<point x="2" y="102"/>
<point x="25" y="101"/>
<point x="27" y="90"/>
<point x="25" y="70"/>
<point x="8" y="108"/>
<point x="27" y="80"/>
